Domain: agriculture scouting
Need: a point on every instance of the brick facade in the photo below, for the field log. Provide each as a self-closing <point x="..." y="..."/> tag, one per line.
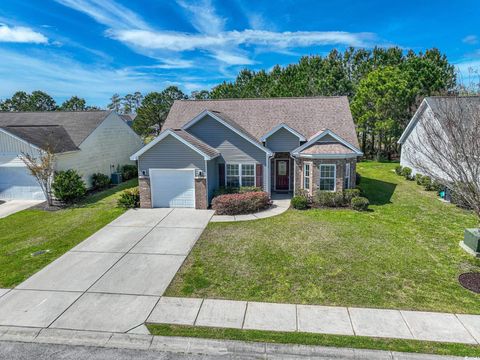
<point x="145" y="192"/>
<point x="315" y="170"/>
<point x="201" y="193"/>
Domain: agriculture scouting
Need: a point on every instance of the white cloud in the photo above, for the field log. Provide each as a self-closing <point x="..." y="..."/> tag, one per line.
<point x="230" y="58"/>
<point x="176" y="41"/>
<point x="470" y="39"/>
<point x="20" y="34"/>
<point x="203" y="16"/>
<point x="107" y="12"/>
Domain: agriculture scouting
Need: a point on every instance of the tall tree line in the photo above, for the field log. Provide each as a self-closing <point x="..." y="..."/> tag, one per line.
<point x="41" y="101"/>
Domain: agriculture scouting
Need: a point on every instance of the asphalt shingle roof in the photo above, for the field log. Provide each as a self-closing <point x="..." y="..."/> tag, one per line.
<point x="258" y="116"/>
<point x="77" y="124"/>
<point x="328" y="148"/>
<point x="199" y="144"/>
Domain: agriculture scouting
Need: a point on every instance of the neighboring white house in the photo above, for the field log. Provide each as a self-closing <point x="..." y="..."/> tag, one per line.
<point x="89" y="142"/>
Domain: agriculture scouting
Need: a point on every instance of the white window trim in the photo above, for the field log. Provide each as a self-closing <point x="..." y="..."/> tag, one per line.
<point x="334" y="176"/>
<point x="309" y="176"/>
<point x="349" y="167"/>
<point x="240" y="172"/>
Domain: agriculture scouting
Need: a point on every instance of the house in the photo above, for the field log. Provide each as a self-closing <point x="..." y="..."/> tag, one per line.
<point x="432" y="111"/>
<point x="128" y="118"/>
<point x="278" y="144"/>
<point x="89" y="142"/>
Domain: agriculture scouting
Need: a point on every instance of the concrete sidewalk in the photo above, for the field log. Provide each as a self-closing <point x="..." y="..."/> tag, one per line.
<point x="396" y="324"/>
<point x="112" y="280"/>
<point x="31" y="343"/>
<point x="13" y="206"/>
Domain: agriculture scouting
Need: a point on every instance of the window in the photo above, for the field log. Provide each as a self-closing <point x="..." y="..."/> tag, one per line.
<point x="306" y="176"/>
<point x="233" y="178"/>
<point x="248" y="175"/>
<point x="346" y="181"/>
<point x="240" y="175"/>
<point x="327" y="177"/>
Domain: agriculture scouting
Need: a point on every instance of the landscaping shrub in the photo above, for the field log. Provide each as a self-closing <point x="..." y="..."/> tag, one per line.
<point x="426" y="182"/>
<point x="100" y="181"/>
<point x="398" y="170"/>
<point x="68" y="186"/>
<point x="329" y="199"/>
<point x="360" y="203"/>
<point x="129" y="199"/>
<point x="235" y="190"/>
<point x="129" y="172"/>
<point x="407" y="173"/>
<point x="349" y="194"/>
<point x="418" y="178"/>
<point x="235" y="204"/>
<point x="299" y="202"/>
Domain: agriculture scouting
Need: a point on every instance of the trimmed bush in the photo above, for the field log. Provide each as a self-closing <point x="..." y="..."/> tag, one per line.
<point x="68" y="186"/>
<point x="349" y="194"/>
<point x="329" y="199"/>
<point x="407" y="173"/>
<point x="129" y="199"/>
<point x="398" y="170"/>
<point x="360" y="203"/>
<point x="235" y="204"/>
<point x="299" y="202"/>
<point x="129" y="172"/>
<point x="100" y="181"/>
<point x="235" y="190"/>
<point x="418" y="178"/>
<point x="426" y="182"/>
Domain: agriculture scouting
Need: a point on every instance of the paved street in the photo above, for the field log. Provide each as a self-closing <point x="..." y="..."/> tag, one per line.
<point x="112" y="280"/>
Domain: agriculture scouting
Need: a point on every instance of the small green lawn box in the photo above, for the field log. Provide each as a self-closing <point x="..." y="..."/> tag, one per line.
<point x="472" y="239"/>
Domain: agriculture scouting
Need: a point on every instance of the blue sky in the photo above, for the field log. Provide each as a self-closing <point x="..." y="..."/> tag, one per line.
<point x="94" y="48"/>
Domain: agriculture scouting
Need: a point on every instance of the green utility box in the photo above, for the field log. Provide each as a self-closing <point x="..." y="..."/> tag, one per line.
<point x="472" y="239"/>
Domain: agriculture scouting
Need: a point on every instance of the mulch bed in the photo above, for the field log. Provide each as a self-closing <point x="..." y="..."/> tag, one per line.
<point x="470" y="281"/>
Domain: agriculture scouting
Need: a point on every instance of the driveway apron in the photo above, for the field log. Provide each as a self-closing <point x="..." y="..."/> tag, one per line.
<point x="112" y="280"/>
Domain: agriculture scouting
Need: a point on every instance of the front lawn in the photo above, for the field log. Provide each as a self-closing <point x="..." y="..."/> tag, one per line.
<point x="402" y="254"/>
<point x="29" y="231"/>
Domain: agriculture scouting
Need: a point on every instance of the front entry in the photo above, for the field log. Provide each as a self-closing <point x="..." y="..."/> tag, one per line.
<point x="282" y="177"/>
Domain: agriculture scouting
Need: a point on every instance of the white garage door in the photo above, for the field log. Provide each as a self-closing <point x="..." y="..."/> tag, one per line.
<point x="16" y="183"/>
<point x="173" y="188"/>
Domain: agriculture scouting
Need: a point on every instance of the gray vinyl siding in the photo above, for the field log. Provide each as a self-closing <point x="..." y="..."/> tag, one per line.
<point x="233" y="148"/>
<point x="212" y="177"/>
<point x="327" y="138"/>
<point x="170" y="153"/>
<point x="282" y="141"/>
<point x="10" y="145"/>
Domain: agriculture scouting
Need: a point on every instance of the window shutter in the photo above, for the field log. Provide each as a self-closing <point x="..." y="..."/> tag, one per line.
<point x="259" y="176"/>
<point x="221" y="175"/>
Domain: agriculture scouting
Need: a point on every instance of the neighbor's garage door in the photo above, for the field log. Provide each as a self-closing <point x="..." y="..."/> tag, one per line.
<point x="16" y="183"/>
<point x="173" y="188"/>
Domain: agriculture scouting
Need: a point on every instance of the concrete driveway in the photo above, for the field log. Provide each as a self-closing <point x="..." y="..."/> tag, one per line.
<point x="12" y="206"/>
<point x="112" y="280"/>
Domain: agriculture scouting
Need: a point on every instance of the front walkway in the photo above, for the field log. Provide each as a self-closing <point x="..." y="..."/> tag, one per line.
<point x="280" y="204"/>
<point x="112" y="280"/>
<point x="397" y="324"/>
<point x="13" y="206"/>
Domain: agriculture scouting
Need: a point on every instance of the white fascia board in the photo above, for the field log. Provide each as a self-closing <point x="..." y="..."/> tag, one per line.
<point x="162" y="136"/>
<point x="286" y="127"/>
<point x="413" y="122"/>
<point x="223" y="122"/>
<point x="321" y="135"/>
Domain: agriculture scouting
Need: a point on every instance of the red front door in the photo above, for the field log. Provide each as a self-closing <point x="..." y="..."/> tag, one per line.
<point x="282" y="174"/>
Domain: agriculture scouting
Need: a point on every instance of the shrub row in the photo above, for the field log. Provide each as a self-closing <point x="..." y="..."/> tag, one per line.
<point x="422" y="180"/>
<point x="240" y="203"/>
<point x="129" y="199"/>
<point x="235" y="190"/>
<point x="344" y="198"/>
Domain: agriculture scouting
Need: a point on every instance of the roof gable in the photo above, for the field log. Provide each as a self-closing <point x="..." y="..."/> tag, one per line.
<point x="77" y="124"/>
<point x="259" y="116"/>
<point x="327" y="134"/>
<point x="287" y="128"/>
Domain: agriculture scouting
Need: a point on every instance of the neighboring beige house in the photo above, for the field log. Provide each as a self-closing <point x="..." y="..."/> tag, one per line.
<point x="278" y="144"/>
<point x="89" y="142"/>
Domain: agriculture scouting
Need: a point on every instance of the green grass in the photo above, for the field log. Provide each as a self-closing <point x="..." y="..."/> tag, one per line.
<point x="28" y="231"/>
<point x="318" y="339"/>
<point x="402" y="254"/>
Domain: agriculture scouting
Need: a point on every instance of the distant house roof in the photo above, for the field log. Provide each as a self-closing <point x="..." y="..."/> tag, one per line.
<point x="128" y="118"/>
<point x="45" y="137"/>
<point x="256" y="117"/>
<point x="64" y="130"/>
